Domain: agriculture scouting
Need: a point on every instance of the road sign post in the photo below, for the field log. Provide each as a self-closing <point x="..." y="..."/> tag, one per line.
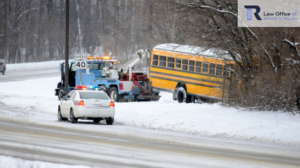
<point x="67" y="49"/>
<point x="80" y="62"/>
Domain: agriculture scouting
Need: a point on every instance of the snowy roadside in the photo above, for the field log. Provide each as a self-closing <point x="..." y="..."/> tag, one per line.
<point x="39" y="105"/>
<point x="33" y="66"/>
<point x="10" y="162"/>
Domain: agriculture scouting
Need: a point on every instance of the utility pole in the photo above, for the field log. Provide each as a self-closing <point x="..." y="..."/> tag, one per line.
<point x="67" y="49"/>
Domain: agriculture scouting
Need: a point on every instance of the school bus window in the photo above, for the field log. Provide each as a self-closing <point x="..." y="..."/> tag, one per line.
<point x="178" y="63"/>
<point x="185" y="64"/>
<point x="170" y="62"/>
<point x="219" y="70"/>
<point x="212" y="69"/>
<point x="162" y="61"/>
<point x="192" y="66"/>
<point x="205" y="67"/>
<point x="198" y="66"/>
<point x="155" y="60"/>
<point x="227" y="71"/>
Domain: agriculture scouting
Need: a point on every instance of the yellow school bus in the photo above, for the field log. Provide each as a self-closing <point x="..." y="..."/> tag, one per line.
<point x="190" y="73"/>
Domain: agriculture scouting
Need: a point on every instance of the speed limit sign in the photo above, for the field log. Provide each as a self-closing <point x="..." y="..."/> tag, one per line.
<point x="80" y="61"/>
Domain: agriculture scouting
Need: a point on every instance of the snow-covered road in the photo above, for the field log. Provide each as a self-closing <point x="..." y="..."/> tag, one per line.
<point x="211" y="125"/>
<point x="67" y="146"/>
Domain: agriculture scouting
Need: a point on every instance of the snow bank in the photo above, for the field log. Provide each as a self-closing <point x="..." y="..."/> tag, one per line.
<point x="212" y="120"/>
<point x="33" y="66"/>
<point x="11" y="162"/>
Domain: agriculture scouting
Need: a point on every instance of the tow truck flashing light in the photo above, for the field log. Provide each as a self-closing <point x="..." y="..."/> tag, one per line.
<point x="105" y="58"/>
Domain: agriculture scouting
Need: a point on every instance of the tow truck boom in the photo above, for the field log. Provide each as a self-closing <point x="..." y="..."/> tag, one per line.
<point x="140" y="55"/>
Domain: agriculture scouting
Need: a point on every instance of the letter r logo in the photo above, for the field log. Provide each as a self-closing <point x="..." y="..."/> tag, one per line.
<point x="249" y="12"/>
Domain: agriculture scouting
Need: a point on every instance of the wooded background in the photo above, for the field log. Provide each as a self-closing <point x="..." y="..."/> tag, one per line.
<point x="34" y="30"/>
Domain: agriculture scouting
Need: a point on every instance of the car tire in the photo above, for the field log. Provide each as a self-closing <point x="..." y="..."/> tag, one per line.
<point x="110" y="121"/>
<point x="181" y="95"/>
<point x="113" y="94"/>
<point x="59" y="116"/>
<point x="60" y="94"/>
<point x="72" y="117"/>
<point x="3" y="72"/>
<point x="97" y="120"/>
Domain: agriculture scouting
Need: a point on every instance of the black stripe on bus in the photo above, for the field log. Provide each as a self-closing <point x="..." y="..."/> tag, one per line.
<point x="187" y="82"/>
<point x="172" y="91"/>
<point x="197" y="73"/>
<point x="187" y="77"/>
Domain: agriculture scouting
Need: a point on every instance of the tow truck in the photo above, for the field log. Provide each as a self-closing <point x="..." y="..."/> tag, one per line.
<point x="118" y="81"/>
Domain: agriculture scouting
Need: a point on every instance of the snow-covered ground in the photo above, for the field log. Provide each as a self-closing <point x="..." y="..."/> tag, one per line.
<point x="34" y="101"/>
<point x="10" y="162"/>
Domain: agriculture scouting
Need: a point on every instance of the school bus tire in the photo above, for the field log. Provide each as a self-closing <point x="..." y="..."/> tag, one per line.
<point x="181" y="95"/>
<point x="188" y="99"/>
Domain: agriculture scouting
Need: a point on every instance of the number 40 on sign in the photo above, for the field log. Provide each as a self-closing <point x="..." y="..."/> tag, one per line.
<point x="80" y="61"/>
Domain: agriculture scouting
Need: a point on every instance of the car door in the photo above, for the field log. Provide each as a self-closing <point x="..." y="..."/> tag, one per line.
<point x="63" y="107"/>
<point x="69" y="103"/>
<point x="65" y="110"/>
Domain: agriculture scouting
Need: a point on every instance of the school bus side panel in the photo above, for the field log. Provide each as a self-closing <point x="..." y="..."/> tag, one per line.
<point x="203" y="90"/>
<point x="164" y="84"/>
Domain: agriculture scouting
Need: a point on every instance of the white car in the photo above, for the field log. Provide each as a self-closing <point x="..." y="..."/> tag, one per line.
<point x="86" y="105"/>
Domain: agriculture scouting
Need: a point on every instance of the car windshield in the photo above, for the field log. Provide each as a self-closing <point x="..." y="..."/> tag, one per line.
<point x="93" y="95"/>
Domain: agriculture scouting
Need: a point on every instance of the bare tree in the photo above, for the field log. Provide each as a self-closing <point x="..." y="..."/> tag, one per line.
<point x="262" y="54"/>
